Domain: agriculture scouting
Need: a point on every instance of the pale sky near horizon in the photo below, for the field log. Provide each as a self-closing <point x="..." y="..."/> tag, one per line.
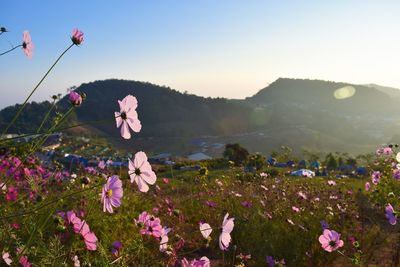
<point x="227" y="48"/>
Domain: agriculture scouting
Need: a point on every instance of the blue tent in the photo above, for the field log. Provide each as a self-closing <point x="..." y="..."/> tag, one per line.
<point x="303" y="164"/>
<point x="315" y="165"/>
<point x="362" y="171"/>
<point x="280" y="165"/>
<point x="271" y="161"/>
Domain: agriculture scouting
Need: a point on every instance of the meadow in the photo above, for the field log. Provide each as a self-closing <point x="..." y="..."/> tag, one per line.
<point x="139" y="214"/>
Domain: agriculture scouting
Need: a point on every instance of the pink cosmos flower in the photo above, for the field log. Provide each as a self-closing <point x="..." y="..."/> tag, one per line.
<point x="202" y="262"/>
<point x="102" y="164"/>
<point x="75" y="98"/>
<point x="76" y="261"/>
<point x="376" y="176"/>
<point x="88" y="236"/>
<point x="225" y="236"/>
<point x="112" y="194"/>
<point x="77" y="36"/>
<point x="82" y="227"/>
<point x="302" y="195"/>
<point x="143" y="218"/>
<point x="367" y="186"/>
<point x="295" y="209"/>
<point x="330" y="240"/>
<point x="140" y="172"/>
<point x="387" y="151"/>
<point x="152" y="227"/>
<point x="164" y="239"/>
<point x="7" y="258"/>
<point x="128" y="117"/>
<point x="27" y="44"/>
<point x="165" y="180"/>
<point x="331" y="183"/>
<point x="205" y="230"/>
<point x="391" y="214"/>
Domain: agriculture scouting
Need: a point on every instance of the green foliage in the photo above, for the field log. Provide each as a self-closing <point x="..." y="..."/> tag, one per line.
<point x="256" y="160"/>
<point x="331" y="162"/>
<point x="235" y="153"/>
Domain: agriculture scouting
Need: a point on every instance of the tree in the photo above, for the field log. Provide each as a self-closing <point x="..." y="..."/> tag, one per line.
<point x="235" y="153"/>
<point x="331" y="163"/>
<point x="256" y="160"/>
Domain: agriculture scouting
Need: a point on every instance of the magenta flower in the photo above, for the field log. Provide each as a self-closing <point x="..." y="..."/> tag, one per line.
<point x="128" y="117"/>
<point x="27" y="44"/>
<point x="112" y="194"/>
<point x="75" y="98"/>
<point x="140" y="172"/>
<point x="376" y="176"/>
<point x="225" y="236"/>
<point x="77" y="36"/>
<point x="330" y="240"/>
<point x="391" y="214"/>
<point x="12" y="194"/>
<point x="295" y="209"/>
<point x="24" y="261"/>
<point x="247" y="204"/>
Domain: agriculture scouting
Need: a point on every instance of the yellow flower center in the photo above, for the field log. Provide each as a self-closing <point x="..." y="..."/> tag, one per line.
<point x="109" y="193"/>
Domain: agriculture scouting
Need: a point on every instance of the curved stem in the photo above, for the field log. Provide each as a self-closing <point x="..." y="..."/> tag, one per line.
<point x="34" y="89"/>
<point x="8" y="51"/>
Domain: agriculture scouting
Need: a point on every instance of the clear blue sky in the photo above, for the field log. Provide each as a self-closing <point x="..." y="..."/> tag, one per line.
<point x="212" y="48"/>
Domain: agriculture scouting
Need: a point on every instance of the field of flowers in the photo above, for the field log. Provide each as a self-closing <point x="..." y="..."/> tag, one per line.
<point x="101" y="216"/>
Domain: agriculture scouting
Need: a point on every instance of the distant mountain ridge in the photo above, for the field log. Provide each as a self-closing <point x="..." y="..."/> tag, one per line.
<point x="303" y="114"/>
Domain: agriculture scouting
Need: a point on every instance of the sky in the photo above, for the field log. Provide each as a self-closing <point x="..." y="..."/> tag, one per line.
<point x="225" y="48"/>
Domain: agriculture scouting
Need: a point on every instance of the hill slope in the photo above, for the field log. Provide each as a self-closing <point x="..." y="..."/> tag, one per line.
<point x="299" y="113"/>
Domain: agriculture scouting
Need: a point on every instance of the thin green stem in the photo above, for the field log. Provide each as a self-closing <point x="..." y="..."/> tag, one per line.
<point x="34" y="89"/>
<point x="8" y="51"/>
<point x="46" y="117"/>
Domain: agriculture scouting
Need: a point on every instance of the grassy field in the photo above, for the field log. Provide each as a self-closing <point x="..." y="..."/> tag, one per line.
<point x="278" y="216"/>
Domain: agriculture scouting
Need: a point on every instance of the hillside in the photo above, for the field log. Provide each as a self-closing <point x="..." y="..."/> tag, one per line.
<point x="303" y="114"/>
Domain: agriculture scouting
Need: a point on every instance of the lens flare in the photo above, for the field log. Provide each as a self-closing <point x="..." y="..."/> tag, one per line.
<point x="344" y="92"/>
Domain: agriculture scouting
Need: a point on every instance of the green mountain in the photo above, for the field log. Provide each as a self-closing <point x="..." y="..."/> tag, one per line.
<point x="304" y="114"/>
